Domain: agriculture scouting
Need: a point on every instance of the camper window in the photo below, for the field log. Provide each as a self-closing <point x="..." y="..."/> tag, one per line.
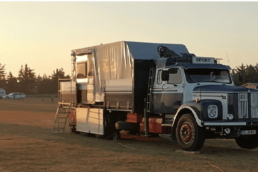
<point x="81" y="70"/>
<point x="90" y="66"/>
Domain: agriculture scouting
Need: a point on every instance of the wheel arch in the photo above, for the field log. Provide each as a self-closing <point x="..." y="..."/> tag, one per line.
<point x="181" y="111"/>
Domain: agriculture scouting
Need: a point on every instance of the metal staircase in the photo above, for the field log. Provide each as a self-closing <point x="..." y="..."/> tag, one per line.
<point x="149" y="91"/>
<point x="63" y="108"/>
<point x="62" y="114"/>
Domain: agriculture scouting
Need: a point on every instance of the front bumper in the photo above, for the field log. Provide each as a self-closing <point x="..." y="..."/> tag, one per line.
<point x="230" y="124"/>
<point x="211" y="124"/>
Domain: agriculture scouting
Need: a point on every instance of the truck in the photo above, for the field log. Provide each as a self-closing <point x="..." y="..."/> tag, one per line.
<point x="157" y="89"/>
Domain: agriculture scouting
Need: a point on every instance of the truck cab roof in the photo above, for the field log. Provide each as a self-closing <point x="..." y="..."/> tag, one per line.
<point x="192" y="62"/>
<point x="201" y="66"/>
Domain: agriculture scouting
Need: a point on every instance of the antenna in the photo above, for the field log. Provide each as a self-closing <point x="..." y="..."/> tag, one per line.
<point x="228" y="58"/>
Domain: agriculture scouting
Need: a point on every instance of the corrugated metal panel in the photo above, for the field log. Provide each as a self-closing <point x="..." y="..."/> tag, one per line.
<point x="242" y="105"/>
<point x="254" y="105"/>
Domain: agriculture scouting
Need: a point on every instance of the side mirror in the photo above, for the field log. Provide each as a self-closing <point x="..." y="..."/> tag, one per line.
<point x="165" y="75"/>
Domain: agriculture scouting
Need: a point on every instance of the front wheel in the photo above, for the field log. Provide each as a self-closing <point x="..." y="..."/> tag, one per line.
<point x="247" y="142"/>
<point x="189" y="135"/>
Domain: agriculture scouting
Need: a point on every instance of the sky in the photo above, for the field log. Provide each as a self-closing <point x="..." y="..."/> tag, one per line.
<point x="42" y="34"/>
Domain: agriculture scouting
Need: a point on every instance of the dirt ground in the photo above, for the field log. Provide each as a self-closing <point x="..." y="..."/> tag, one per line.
<point x="26" y="144"/>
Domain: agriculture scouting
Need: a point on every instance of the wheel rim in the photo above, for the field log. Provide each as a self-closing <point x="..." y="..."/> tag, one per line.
<point x="186" y="132"/>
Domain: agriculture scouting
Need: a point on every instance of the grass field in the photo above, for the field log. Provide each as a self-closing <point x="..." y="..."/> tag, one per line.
<point x="26" y="144"/>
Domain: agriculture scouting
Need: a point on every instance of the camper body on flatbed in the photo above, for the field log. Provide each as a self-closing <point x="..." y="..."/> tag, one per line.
<point x="153" y="89"/>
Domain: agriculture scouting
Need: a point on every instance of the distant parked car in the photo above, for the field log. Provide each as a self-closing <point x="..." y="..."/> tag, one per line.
<point x="15" y="95"/>
<point x="2" y="93"/>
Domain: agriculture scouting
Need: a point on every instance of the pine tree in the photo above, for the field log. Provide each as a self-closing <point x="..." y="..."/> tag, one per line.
<point x="12" y="84"/>
<point x="43" y="84"/>
<point x="249" y="73"/>
<point x="27" y="80"/>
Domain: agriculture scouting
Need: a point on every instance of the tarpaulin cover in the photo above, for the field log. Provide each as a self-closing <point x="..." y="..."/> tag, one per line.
<point x="115" y="61"/>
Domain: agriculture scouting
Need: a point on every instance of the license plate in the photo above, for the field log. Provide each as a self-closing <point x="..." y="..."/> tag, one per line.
<point x="247" y="132"/>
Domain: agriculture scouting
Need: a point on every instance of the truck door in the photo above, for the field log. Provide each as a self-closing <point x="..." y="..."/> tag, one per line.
<point x="157" y="93"/>
<point x="172" y="90"/>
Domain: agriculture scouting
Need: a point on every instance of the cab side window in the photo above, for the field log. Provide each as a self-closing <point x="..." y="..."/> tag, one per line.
<point x="175" y="76"/>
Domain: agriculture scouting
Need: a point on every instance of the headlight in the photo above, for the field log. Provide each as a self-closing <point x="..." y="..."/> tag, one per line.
<point x="230" y="116"/>
<point x="213" y="111"/>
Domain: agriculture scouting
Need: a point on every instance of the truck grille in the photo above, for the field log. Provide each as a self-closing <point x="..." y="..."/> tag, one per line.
<point x="242" y="105"/>
<point x="254" y="105"/>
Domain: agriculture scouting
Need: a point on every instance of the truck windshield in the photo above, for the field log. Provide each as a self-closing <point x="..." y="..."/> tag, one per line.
<point x="207" y="75"/>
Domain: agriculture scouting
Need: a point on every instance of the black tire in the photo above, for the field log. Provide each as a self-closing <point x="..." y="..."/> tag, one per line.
<point x="247" y="142"/>
<point x="189" y="135"/>
<point x="116" y="135"/>
<point x="122" y="125"/>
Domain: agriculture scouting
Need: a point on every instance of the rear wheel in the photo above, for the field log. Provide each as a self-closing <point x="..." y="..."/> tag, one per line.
<point x="189" y="135"/>
<point x="247" y="142"/>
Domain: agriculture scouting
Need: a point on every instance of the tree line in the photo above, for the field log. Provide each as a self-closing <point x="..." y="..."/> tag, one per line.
<point x="29" y="83"/>
<point x="249" y="74"/>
